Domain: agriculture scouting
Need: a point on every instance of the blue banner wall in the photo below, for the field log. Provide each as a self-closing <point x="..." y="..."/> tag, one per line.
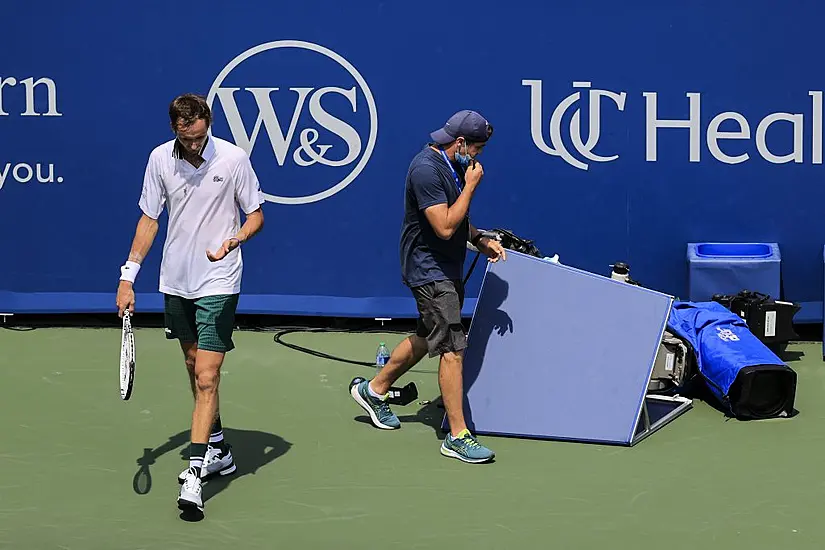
<point x="622" y="132"/>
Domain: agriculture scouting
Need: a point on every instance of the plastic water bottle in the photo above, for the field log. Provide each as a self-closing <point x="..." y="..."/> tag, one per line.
<point x="381" y="357"/>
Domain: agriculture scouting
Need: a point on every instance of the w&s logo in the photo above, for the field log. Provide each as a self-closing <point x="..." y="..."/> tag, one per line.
<point x="302" y="112"/>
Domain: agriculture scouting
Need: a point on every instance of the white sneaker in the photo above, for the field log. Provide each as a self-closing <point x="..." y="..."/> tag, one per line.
<point x="214" y="463"/>
<point x="190" y="492"/>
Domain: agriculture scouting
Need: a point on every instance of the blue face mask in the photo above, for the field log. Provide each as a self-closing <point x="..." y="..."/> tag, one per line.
<point x="463" y="160"/>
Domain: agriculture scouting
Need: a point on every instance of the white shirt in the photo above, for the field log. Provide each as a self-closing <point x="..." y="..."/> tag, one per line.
<point x="203" y="212"/>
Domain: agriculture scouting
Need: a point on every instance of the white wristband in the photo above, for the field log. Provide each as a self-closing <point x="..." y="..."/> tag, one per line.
<point x="129" y="271"/>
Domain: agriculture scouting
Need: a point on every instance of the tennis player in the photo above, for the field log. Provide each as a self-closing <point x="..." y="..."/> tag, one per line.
<point x="441" y="181"/>
<point x="202" y="181"/>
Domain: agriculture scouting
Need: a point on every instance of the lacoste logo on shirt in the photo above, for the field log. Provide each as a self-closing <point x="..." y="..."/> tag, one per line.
<point x="217" y="179"/>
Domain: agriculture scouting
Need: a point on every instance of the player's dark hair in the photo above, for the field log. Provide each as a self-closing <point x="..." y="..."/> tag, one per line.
<point x="188" y="108"/>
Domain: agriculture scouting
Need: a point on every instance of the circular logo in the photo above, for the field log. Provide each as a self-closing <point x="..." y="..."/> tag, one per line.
<point x="300" y="112"/>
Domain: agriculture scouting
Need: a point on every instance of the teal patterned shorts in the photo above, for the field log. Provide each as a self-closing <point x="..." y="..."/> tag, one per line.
<point x="209" y="321"/>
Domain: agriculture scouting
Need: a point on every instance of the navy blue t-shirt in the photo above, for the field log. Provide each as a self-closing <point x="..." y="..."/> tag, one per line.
<point x="426" y="257"/>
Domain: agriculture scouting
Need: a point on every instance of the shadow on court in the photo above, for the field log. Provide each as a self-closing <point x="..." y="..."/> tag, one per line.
<point x="430" y="414"/>
<point x="252" y="450"/>
<point x="489" y="321"/>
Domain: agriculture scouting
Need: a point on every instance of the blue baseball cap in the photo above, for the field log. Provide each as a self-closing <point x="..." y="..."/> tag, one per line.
<point x="467" y="124"/>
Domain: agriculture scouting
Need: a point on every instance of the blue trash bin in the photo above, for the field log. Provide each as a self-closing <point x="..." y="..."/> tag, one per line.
<point x="728" y="268"/>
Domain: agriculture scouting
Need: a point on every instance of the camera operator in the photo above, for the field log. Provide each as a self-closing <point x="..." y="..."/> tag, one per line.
<point x="440" y="184"/>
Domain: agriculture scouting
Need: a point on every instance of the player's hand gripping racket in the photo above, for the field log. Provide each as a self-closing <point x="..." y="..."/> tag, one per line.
<point x="127" y="357"/>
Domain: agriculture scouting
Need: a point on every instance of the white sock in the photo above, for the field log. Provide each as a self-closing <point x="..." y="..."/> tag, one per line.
<point x="375" y="395"/>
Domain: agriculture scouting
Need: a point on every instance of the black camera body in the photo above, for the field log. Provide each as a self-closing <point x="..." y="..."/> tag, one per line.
<point x="769" y="320"/>
<point x="511" y="241"/>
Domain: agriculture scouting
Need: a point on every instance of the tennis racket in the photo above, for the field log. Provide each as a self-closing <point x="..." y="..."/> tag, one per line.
<point x="127" y="357"/>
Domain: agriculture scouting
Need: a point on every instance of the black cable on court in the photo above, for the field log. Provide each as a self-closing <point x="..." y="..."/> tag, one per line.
<point x="284" y="331"/>
<point x="278" y="338"/>
<point x="17" y="328"/>
<point x="281" y="332"/>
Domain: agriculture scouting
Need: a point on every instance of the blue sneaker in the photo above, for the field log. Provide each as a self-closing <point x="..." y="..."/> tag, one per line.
<point x="379" y="410"/>
<point x="466" y="448"/>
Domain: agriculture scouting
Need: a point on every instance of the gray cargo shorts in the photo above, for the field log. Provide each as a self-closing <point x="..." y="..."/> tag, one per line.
<point x="439" y="316"/>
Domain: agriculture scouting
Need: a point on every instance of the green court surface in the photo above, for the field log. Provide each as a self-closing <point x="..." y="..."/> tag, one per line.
<point x="81" y="469"/>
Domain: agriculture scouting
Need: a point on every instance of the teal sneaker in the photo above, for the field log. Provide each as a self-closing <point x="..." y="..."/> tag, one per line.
<point x="379" y="410"/>
<point x="466" y="448"/>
